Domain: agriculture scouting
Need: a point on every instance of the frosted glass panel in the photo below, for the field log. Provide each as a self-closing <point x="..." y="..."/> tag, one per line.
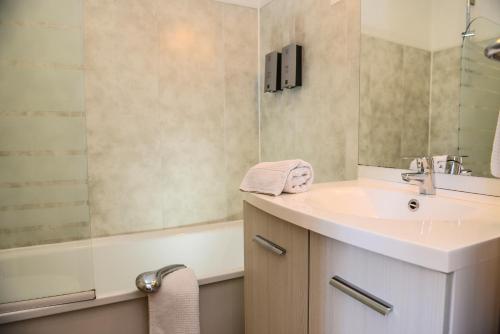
<point x="42" y="133"/>
<point x="45" y="247"/>
<point x="32" y="88"/>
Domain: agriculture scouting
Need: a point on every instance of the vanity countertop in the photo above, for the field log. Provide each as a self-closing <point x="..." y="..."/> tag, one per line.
<point x="448" y="231"/>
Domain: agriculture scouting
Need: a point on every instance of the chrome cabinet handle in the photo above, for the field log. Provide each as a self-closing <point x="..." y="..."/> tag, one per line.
<point x="269" y="245"/>
<point x="361" y="295"/>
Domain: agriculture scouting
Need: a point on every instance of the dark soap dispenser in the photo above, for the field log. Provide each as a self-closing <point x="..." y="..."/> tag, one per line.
<point x="291" y="66"/>
<point x="272" y="80"/>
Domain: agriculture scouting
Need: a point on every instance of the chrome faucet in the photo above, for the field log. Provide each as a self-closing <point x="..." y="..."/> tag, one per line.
<point x="150" y="281"/>
<point x="423" y="177"/>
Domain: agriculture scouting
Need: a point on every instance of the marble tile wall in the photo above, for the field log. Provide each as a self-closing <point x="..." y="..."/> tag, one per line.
<point x="171" y="100"/>
<point x="394" y="102"/>
<point x="445" y="101"/>
<point x="404" y="121"/>
<point x="318" y="121"/>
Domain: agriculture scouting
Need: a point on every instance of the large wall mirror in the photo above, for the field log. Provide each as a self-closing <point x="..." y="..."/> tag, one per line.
<point x="427" y="88"/>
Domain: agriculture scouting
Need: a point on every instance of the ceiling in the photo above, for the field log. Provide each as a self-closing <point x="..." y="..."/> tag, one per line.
<point x="247" y="3"/>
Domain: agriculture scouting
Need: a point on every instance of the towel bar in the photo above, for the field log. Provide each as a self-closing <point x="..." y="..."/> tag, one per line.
<point x="150" y="281"/>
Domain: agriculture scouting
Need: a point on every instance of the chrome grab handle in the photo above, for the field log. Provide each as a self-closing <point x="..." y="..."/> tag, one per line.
<point x="361" y="295"/>
<point x="150" y="281"/>
<point x="269" y="245"/>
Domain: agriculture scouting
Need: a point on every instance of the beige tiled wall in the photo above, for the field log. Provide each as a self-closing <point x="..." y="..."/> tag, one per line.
<point x="171" y="106"/>
<point x="318" y="121"/>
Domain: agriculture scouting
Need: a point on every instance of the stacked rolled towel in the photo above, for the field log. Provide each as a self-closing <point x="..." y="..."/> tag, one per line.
<point x="495" y="155"/>
<point x="273" y="178"/>
<point x="175" y="308"/>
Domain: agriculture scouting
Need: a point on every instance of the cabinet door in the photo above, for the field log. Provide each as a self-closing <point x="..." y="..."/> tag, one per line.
<point x="275" y="285"/>
<point x="417" y="295"/>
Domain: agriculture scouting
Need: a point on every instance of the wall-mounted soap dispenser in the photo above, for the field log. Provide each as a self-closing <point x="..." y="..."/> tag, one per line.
<point x="291" y="67"/>
<point x="272" y="80"/>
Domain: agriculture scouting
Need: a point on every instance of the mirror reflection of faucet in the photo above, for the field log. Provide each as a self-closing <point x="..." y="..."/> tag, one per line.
<point x="446" y="164"/>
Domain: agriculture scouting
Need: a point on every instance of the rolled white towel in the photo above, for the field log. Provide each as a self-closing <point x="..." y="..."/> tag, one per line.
<point x="273" y="178"/>
<point x="495" y="155"/>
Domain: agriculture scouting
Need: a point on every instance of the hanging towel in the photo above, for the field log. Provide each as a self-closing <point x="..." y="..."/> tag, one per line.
<point x="273" y="178"/>
<point x="495" y="155"/>
<point x="174" y="308"/>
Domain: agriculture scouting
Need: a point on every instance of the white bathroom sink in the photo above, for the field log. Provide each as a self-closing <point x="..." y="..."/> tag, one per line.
<point x="446" y="232"/>
<point x="373" y="202"/>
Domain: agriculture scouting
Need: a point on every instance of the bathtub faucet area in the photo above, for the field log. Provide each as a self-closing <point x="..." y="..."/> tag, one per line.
<point x="150" y="281"/>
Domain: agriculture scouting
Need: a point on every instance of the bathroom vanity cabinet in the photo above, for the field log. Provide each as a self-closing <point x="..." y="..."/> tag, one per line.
<point x="417" y="295"/>
<point x="289" y="288"/>
<point x="276" y="285"/>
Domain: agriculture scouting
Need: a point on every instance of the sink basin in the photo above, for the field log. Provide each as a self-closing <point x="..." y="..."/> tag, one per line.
<point x="372" y="202"/>
<point x="443" y="232"/>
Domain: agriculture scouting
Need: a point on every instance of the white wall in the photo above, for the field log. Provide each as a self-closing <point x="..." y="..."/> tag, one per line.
<point x="426" y="24"/>
<point x="405" y="22"/>
<point x="247" y="3"/>
<point x="448" y="20"/>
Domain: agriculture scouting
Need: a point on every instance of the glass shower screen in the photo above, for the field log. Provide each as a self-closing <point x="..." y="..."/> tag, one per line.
<point x="479" y="96"/>
<point x="45" y="247"/>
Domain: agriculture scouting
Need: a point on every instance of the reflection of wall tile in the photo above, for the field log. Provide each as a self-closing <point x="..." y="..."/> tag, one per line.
<point x="171" y="111"/>
<point x="415" y="121"/>
<point x="316" y="122"/>
<point x="394" y="100"/>
<point x="381" y="102"/>
<point x="445" y="101"/>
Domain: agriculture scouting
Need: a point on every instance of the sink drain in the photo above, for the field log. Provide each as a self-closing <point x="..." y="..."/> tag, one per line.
<point x="413" y="205"/>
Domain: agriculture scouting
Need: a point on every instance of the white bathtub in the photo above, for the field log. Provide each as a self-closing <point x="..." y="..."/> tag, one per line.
<point x="214" y="251"/>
